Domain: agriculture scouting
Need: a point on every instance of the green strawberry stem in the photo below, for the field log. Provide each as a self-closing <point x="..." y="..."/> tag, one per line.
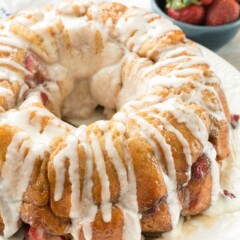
<point x="179" y="4"/>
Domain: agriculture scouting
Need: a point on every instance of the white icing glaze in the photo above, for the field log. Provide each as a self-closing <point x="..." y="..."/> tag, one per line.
<point x="13" y="64"/>
<point x="185" y="71"/>
<point x="195" y="125"/>
<point x="7" y="49"/>
<point x="88" y="208"/>
<point x="183" y="114"/>
<point x="128" y="202"/>
<point x="105" y="184"/>
<point x="162" y="81"/>
<point x="215" y="172"/>
<point x="59" y="166"/>
<point x="170" y="179"/>
<point x="116" y="160"/>
<point x="165" y="62"/>
<point x="9" y="74"/>
<point x="183" y="141"/>
<point x="8" y="95"/>
<point x="15" y="176"/>
<point x="21" y="119"/>
<point x="11" y="41"/>
<point x="134" y="29"/>
<point x="74" y="177"/>
<point x="176" y="50"/>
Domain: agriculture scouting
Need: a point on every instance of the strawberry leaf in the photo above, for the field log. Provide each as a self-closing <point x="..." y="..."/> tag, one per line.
<point x="180" y="4"/>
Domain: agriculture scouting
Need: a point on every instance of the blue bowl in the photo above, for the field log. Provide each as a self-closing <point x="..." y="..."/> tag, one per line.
<point x="210" y="37"/>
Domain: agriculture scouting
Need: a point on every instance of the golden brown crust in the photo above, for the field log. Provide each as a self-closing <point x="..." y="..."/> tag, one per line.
<point x="170" y="39"/>
<point x="107" y="231"/>
<point x="107" y="11"/>
<point x="17" y="56"/>
<point x="7" y="133"/>
<point x="219" y="137"/>
<point x="38" y="188"/>
<point x="157" y="222"/>
<point x="198" y="192"/>
<point x="43" y="217"/>
<point x="147" y="170"/>
<point x="1" y="225"/>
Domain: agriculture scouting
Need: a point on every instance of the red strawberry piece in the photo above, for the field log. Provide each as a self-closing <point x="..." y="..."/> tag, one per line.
<point x="38" y="72"/>
<point x="228" y="194"/>
<point x="200" y="167"/>
<point x="44" y="97"/>
<point x="30" y="64"/>
<point x="222" y="12"/>
<point x="206" y="2"/>
<point x="40" y="234"/>
<point x="193" y="14"/>
<point x="235" y="120"/>
<point x="35" y="234"/>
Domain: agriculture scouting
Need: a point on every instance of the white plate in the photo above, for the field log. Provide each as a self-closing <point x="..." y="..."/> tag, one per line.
<point x="221" y="222"/>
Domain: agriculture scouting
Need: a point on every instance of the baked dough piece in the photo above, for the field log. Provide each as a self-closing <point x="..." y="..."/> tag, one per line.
<point x="154" y="159"/>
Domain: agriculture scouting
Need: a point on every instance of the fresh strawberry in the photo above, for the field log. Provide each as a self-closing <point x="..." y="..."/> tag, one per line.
<point x="206" y="2"/>
<point x="235" y="120"/>
<point x="34" y="234"/>
<point x="222" y="12"/>
<point x="193" y="14"/>
<point x="200" y="167"/>
<point x="228" y="194"/>
<point x="44" y="97"/>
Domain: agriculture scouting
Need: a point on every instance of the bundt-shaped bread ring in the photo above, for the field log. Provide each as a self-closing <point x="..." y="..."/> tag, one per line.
<point x="157" y="156"/>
